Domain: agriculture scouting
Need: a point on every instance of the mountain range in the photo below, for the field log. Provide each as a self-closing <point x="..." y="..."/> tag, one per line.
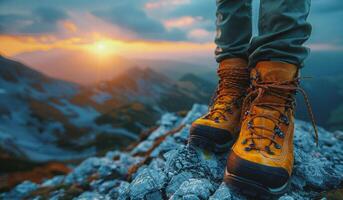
<point x="85" y="68"/>
<point x="324" y="88"/>
<point x="43" y="118"/>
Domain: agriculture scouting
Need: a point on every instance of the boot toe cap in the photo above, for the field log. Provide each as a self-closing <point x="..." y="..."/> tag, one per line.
<point x="210" y="138"/>
<point x="262" y="175"/>
<point x="216" y="135"/>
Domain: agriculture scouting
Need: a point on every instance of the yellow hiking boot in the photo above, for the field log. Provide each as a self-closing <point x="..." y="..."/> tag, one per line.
<point x="217" y="129"/>
<point x="261" y="160"/>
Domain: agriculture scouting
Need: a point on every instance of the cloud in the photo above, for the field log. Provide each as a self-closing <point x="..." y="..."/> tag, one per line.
<point x="325" y="47"/>
<point x="9" y="23"/>
<point x="198" y="8"/>
<point x="41" y="20"/>
<point x="165" y="3"/>
<point x="182" y="22"/>
<point x="201" y="11"/>
<point x="70" y="26"/>
<point x="200" y="35"/>
<point x="132" y="16"/>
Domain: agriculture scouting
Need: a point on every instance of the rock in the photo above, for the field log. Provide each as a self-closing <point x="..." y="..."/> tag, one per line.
<point x="57" y="194"/>
<point x="149" y="181"/>
<point x="194" y="189"/>
<point x="173" y="170"/>
<point x="168" y="144"/>
<point x="157" y="164"/>
<point x="168" y="121"/>
<point x="91" y="195"/>
<point x="103" y="166"/>
<point x="318" y="167"/>
<point x="142" y="147"/>
<point x="53" y="181"/>
<point x="198" y="163"/>
<point x="222" y="193"/>
<point x="176" y="181"/>
<point x="196" y="112"/>
<point x="21" y="190"/>
<point x="120" y="192"/>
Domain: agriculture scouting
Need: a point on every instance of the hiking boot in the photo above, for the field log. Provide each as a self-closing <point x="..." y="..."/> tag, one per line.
<point x="216" y="130"/>
<point x="261" y="160"/>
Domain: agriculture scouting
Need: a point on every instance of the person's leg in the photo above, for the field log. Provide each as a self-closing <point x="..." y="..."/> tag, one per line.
<point x="282" y="31"/>
<point x="234" y="29"/>
<point x="218" y="128"/>
<point x="261" y="160"/>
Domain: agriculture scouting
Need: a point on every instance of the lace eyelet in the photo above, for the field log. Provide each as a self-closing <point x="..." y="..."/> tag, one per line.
<point x="229" y="110"/>
<point x="267" y="148"/>
<point x="279" y="132"/>
<point x="244" y="141"/>
<point x="249" y="124"/>
<point x="277" y="146"/>
<point x="284" y="119"/>
<point x="247" y="149"/>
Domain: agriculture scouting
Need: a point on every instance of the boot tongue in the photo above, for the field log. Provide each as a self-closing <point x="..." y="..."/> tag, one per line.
<point x="275" y="71"/>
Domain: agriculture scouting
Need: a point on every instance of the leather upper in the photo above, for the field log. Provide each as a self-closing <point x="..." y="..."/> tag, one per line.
<point x="266" y="135"/>
<point x="225" y="111"/>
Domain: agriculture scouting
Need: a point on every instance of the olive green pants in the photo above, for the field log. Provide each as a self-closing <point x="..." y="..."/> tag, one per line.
<point x="282" y="28"/>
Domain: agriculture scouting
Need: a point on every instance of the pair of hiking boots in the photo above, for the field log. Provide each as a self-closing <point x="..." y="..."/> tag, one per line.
<point x="254" y="111"/>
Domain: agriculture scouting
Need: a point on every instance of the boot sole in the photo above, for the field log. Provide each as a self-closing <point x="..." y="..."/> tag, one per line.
<point x="253" y="188"/>
<point x="196" y="138"/>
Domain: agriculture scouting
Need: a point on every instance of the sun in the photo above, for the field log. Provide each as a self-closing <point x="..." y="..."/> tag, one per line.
<point x="103" y="48"/>
<point x="100" y="46"/>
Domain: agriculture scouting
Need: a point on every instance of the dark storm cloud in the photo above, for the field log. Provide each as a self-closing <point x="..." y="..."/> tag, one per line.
<point x="41" y="20"/>
<point x="131" y="15"/>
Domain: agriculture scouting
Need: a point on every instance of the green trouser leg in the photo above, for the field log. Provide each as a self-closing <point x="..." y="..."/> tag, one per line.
<point x="282" y="31"/>
<point x="234" y="29"/>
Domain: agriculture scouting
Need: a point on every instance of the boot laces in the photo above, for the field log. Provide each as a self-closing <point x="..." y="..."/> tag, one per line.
<point x="230" y="91"/>
<point x="282" y="90"/>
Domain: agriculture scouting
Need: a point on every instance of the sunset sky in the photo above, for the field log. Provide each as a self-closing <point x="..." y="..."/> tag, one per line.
<point x="157" y="29"/>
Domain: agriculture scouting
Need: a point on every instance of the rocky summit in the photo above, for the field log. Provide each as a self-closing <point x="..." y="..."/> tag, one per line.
<point x="163" y="166"/>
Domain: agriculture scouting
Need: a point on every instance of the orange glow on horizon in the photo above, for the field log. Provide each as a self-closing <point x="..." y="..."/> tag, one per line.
<point x="102" y="46"/>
